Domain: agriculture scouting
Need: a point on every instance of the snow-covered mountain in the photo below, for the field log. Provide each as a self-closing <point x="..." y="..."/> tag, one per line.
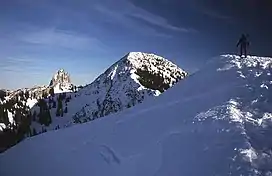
<point x="17" y="100"/>
<point x="26" y="98"/>
<point x="216" y="122"/>
<point x="15" y="106"/>
<point x="61" y="82"/>
<point x="130" y="81"/>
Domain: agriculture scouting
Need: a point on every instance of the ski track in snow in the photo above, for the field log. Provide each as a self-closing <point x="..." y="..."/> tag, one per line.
<point x="109" y="155"/>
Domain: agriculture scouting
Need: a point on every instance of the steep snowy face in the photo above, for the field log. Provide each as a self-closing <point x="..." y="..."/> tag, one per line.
<point x="61" y="81"/>
<point x="216" y="122"/>
<point x="128" y="82"/>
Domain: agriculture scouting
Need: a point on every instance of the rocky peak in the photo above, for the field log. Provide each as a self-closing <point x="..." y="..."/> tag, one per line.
<point x="153" y="71"/>
<point x="61" y="81"/>
<point x="60" y="77"/>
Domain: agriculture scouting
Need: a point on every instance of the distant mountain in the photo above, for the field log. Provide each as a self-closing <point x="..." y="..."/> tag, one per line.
<point x="61" y="82"/>
<point x="15" y="106"/>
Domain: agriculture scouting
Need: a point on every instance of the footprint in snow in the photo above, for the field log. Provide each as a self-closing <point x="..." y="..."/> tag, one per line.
<point x="109" y="155"/>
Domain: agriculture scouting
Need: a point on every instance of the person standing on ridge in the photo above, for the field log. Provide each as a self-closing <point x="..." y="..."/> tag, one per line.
<point x="243" y="42"/>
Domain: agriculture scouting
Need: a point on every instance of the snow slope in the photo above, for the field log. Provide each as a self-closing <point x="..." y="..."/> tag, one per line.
<point x="215" y="122"/>
<point x="131" y="80"/>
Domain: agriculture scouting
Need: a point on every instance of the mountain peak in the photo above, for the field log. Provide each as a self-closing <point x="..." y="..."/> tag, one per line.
<point x="153" y="71"/>
<point x="61" y="70"/>
<point x="139" y="59"/>
<point x="131" y="80"/>
<point x="61" y="81"/>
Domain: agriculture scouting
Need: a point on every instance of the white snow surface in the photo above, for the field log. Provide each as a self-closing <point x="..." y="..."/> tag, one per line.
<point x="61" y="88"/>
<point x="31" y="102"/>
<point x="10" y="117"/>
<point x="215" y="122"/>
<point x="2" y="126"/>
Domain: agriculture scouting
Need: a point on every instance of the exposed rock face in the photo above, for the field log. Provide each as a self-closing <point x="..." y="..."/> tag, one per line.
<point x="61" y="81"/>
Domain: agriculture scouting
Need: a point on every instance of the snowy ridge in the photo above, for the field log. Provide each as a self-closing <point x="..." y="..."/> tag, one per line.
<point x="215" y="122"/>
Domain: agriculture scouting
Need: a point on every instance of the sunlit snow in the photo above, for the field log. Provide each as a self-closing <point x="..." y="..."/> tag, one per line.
<point x="205" y="125"/>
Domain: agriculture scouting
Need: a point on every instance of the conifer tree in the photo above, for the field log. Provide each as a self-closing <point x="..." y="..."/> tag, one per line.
<point x="54" y="104"/>
<point x="34" y="115"/>
<point x="60" y="106"/>
<point x="44" y="116"/>
<point x="27" y="94"/>
<point x="34" y="132"/>
<point x="48" y="119"/>
<point x="51" y="92"/>
<point x="29" y="133"/>
<point x="57" y="113"/>
<point x="64" y="95"/>
<point x="65" y="110"/>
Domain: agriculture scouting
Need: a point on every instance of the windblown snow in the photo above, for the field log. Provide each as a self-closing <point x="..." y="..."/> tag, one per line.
<point x="215" y="122"/>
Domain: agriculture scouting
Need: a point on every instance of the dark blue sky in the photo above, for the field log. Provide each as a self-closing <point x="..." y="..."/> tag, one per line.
<point x="84" y="37"/>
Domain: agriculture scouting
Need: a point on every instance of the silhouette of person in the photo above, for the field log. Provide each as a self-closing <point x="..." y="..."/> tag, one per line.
<point x="243" y="42"/>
